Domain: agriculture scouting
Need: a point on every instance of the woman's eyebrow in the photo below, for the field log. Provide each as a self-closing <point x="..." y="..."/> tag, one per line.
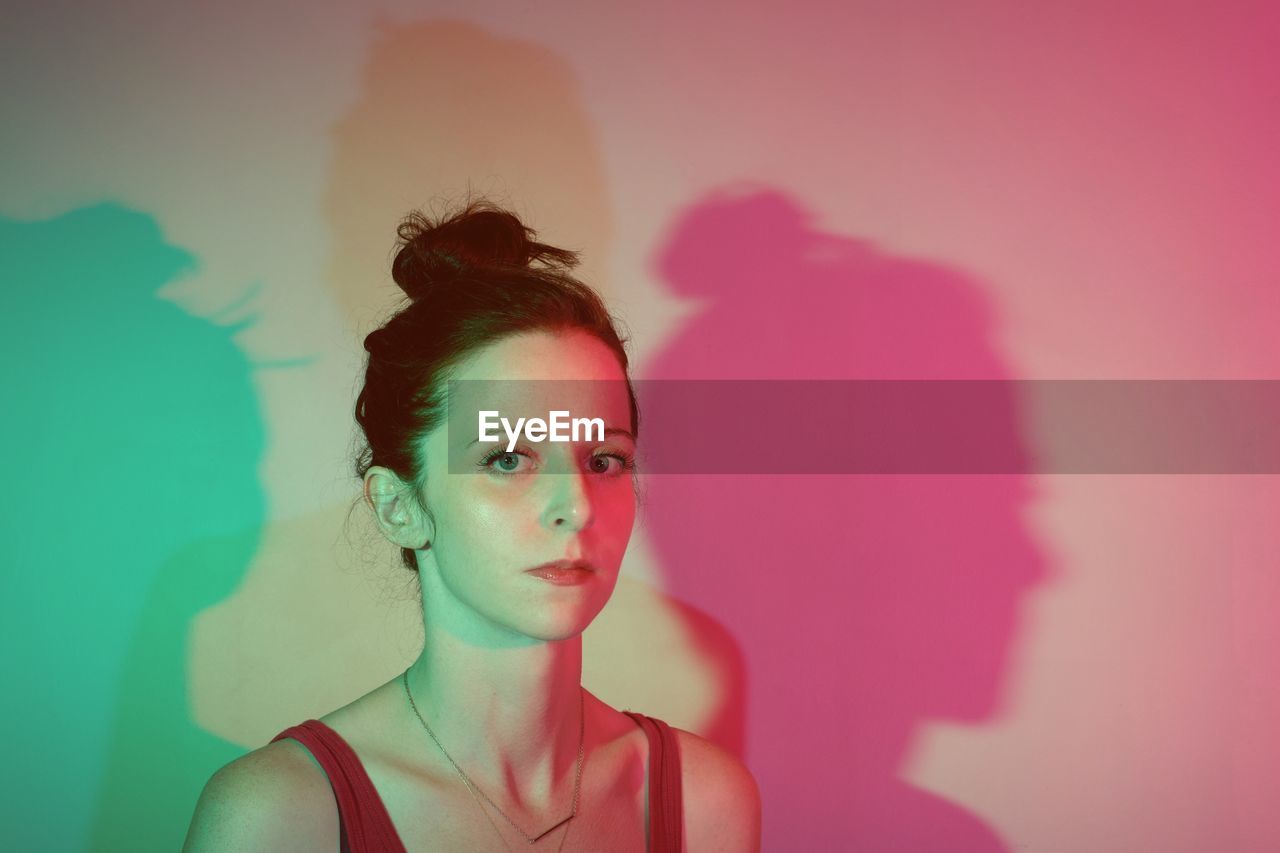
<point x="608" y="432"/>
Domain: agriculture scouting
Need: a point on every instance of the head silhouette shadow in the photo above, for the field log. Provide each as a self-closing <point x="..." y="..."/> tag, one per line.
<point x="513" y="128"/>
<point x="142" y="508"/>
<point x="865" y="604"/>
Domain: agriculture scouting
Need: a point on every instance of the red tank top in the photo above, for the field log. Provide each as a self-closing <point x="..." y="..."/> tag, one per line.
<point x="366" y="827"/>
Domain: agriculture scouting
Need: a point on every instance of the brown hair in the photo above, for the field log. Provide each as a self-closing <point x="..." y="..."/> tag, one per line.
<point x="472" y="277"/>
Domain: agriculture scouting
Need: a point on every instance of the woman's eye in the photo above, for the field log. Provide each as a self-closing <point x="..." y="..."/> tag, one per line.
<point x="600" y="463"/>
<point x="510" y="462"/>
<point x="504" y="461"/>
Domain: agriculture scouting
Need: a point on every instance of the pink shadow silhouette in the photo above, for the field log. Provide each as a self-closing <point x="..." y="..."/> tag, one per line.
<point x="863" y="605"/>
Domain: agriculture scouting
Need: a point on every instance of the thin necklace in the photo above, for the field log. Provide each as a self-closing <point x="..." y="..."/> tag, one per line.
<point x="474" y="789"/>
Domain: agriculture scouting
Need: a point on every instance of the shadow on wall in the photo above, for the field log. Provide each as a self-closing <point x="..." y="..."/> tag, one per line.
<point x="866" y="605"/>
<point x="441" y="105"/>
<point x="139" y="441"/>
<point x="447" y="104"/>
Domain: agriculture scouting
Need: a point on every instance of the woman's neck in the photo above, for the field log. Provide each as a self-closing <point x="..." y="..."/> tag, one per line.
<point x="508" y="716"/>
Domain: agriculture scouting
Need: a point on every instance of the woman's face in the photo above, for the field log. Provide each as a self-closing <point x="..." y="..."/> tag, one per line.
<point x="499" y="513"/>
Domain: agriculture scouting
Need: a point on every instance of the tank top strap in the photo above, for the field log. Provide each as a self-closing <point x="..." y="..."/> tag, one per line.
<point x="365" y="825"/>
<point x="665" y="800"/>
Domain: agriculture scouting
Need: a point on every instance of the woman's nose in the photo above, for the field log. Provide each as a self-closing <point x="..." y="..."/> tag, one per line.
<point x="570" y="504"/>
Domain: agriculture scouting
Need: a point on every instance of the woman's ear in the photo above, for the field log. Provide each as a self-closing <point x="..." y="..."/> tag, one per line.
<point x="396" y="509"/>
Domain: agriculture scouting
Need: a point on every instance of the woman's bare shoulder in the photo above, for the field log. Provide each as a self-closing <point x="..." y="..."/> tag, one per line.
<point x="721" y="797"/>
<point x="276" y="797"/>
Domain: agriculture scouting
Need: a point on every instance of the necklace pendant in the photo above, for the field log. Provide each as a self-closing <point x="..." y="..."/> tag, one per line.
<point x="552" y="829"/>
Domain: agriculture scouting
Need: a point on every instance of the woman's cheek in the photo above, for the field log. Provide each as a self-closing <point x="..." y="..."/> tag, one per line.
<point x="484" y="517"/>
<point x="620" y="509"/>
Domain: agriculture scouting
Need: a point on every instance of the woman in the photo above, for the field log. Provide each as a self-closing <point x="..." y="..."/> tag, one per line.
<point x="488" y="741"/>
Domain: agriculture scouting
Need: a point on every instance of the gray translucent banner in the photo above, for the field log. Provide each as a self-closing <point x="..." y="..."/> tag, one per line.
<point x="894" y="426"/>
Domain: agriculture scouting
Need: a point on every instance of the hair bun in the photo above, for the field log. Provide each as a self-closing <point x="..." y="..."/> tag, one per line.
<point x="481" y="236"/>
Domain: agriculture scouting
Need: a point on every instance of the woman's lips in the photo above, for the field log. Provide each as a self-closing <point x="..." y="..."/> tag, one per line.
<point x="563" y="572"/>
